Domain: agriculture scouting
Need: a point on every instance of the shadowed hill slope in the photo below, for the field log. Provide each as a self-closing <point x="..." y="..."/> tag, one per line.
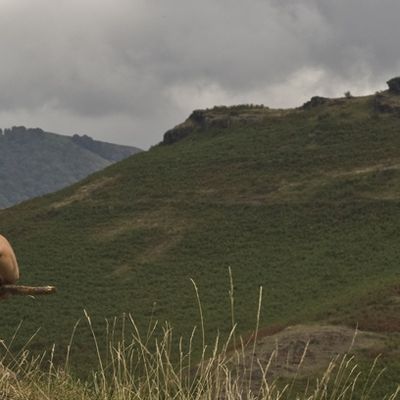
<point x="34" y="162"/>
<point x="305" y="202"/>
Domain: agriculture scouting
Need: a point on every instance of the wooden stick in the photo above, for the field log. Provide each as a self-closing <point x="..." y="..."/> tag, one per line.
<point x="26" y="290"/>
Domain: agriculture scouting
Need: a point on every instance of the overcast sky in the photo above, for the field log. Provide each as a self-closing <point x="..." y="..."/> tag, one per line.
<point x="125" y="71"/>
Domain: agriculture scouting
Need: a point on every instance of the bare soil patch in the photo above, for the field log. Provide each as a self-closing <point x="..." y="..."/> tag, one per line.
<point x="302" y="351"/>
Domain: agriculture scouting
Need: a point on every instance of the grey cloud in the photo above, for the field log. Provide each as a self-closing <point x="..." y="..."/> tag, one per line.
<point x="127" y="70"/>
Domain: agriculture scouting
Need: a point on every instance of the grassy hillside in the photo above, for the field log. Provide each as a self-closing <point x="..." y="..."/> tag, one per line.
<point x="34" y="162"/>
<point x="305" y="202"/>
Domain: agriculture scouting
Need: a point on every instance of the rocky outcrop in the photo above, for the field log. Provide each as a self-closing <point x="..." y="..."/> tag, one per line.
<point x="219" y="117"/>
<point x="394" y="85"/>
<point x="199" y="120"/>
<point x="178" y="133"/>
<point x="18" y="131"/>
<point x="315" y="101"/>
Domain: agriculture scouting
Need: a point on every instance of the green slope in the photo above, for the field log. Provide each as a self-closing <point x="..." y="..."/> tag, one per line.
<point x="305" y="202"/>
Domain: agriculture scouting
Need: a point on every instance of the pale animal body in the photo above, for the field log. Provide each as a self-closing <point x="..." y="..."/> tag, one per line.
<point x="9" y="270"/>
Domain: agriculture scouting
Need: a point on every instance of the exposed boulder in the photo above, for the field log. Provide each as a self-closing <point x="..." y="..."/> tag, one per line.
<point x="198" y="117"/>
<point x="315" y="101"/>
<point x="196" y="121"/>
<point x="219" y="117"/>
<point x="394" y="85"/>
<point x="175" y="134"/>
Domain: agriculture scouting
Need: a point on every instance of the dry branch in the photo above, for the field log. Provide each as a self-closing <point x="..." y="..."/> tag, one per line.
<point x="26" y="290"/>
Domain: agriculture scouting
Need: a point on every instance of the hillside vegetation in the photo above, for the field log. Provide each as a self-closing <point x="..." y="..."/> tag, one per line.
<point x="34" y="162"/>
<point x="304" y="202"/>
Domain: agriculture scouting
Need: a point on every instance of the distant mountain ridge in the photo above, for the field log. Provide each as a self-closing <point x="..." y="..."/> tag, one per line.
<point x="34" y="162"/>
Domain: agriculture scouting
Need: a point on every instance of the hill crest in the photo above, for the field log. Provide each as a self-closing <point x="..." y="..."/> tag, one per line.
<point x="226" y="117"/>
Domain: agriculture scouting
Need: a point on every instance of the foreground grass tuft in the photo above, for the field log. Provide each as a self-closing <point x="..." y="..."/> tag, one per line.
<point x="148" y="366"/>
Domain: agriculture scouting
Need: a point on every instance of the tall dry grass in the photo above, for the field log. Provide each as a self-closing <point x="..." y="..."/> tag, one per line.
<point x="148" y="366"/>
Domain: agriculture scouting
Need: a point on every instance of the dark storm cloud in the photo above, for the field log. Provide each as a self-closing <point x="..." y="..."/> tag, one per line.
<point x="127" y="70"/>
